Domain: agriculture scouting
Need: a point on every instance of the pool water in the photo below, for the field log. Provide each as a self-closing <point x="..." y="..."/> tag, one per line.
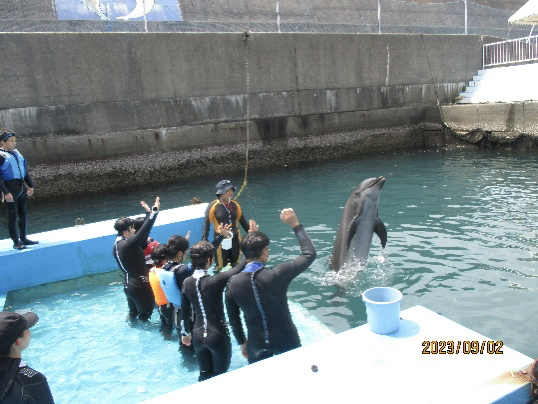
<point x="91" y="354"/>
<point x="462" y="241"/>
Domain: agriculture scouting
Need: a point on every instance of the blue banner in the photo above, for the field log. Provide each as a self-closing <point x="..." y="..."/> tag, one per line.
<point x="126" y="10"/>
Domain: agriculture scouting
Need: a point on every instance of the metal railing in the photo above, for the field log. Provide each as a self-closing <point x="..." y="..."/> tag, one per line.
<point x="510" y="52"/>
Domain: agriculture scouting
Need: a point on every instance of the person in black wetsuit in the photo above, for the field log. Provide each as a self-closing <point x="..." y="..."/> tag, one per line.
<point x="150" y="244"/>
<point x="18" y="382"/>
<point x="224" y="210"/>
<point x="210" y="335"/>
<point x="129" y="254"/>
<point x="16" y="185"/>
<point x="260" y="293"/>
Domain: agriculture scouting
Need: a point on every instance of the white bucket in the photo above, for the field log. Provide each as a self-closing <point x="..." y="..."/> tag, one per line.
<point x="382" y="309"/>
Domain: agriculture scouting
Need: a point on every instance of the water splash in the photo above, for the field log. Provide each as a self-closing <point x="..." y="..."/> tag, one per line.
<point x="358" y="274"/>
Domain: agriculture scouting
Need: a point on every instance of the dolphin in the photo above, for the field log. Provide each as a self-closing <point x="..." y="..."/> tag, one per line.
<point x="95" y="7"/>
<point x="142" y="7"/>
<point x="358" y="224"/>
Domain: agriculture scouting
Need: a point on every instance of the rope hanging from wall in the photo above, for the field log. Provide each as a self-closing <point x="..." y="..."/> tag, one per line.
<point x="246" y="36"/>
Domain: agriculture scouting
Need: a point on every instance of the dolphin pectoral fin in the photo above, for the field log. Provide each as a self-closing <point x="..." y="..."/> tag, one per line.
<point x="381" y="231"/>
<point x="352" y="230"/>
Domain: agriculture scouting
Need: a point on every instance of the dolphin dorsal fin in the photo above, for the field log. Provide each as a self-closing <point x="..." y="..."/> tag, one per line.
<point x="381" y="231"/>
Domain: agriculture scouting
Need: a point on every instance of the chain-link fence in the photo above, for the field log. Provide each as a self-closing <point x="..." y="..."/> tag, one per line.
<point x="338" y="16"/>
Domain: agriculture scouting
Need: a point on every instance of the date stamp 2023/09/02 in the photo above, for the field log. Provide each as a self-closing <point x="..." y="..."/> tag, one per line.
<point x="464" y="347"/>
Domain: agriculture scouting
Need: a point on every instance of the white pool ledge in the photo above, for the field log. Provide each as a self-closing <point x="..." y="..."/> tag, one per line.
<point x="359" y="366"/>
<point x="83" y="250"/>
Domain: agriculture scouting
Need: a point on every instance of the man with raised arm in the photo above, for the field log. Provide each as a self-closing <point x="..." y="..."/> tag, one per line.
<point x="129" y="253"/>
<point x="261" y="293"/>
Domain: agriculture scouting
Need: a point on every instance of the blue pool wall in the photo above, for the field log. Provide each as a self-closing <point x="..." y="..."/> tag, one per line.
<point x="83" y="250"/>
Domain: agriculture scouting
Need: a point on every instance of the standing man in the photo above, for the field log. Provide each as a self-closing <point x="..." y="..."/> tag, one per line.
<point x="260" y="293"/>
<point x="129" y="253"/>
<point x="18" y="382"/>
<point x="224" y="211"/>
<point x="16" y="186"/>
<point x="210" y="335"/>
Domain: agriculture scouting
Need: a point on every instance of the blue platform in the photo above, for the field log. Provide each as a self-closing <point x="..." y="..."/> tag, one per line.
<point x="83" y="250"/>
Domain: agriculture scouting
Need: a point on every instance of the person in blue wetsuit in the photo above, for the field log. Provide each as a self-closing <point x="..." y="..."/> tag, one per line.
<point x="129" y="254"/>
<point x="172" y="276"/>
<point x="176" y="271"/>
<point x="16" y="186"/>
<point x="19" y="383"/>
<point x="209" y="335"/>
<point x="261" y="293"/>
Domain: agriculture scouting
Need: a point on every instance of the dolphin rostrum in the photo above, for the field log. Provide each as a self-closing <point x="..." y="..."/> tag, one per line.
<point x="358" y="224"/>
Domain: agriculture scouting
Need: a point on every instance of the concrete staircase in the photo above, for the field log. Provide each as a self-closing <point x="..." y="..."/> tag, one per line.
<point x="503" y="84"/>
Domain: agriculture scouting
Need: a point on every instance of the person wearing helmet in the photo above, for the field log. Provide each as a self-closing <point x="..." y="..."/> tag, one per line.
<point x="225" y="210"/>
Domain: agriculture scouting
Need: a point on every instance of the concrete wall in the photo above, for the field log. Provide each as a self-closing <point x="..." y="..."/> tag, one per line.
<point x="508" y="126"/>
<point x="74" y="96"/>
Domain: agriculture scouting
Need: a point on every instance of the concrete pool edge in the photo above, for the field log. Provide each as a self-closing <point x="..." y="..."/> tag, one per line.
<point x="78" y="251"/>
<point x="358" y="362"/>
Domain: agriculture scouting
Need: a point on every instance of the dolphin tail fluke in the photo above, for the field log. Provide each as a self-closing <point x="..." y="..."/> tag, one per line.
<point x="381" y="231"/>
<point x="352" y="230"/>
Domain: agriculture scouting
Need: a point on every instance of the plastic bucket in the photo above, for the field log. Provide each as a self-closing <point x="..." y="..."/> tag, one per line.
<point x="382" y="309"/>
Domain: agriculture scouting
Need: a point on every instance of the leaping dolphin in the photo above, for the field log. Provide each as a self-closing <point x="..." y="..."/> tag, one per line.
<point x="142" y="7"/>
<point x="359" y="222"/>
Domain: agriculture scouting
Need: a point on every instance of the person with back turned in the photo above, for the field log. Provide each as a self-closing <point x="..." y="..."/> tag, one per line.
<point x="18" y="382"/>
<point x="261" y="293"/>
<point x="16" y="186"/>
<point x="203" y="293"/>
<point x="128" y="251"/>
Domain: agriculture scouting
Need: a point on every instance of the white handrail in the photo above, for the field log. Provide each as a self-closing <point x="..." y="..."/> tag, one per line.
<point x="509" y="52"/>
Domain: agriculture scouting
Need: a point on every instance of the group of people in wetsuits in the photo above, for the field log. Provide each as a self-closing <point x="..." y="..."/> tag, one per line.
<point x="191" y="298"/>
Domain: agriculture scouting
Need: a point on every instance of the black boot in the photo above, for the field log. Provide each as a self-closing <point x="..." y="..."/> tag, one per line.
<point x="17" y="245"/>
<point x="24" y="239"/>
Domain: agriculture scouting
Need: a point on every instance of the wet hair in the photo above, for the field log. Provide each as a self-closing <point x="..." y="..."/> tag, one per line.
<point x="4" y="351"/>
<point x="138" y="222"/>
<point x="160" y="253"/>
<point x="122" y="224"/>
<point x="200" y="252"/>
<point x="253" y="243"/>
<point x="177" y="244"/>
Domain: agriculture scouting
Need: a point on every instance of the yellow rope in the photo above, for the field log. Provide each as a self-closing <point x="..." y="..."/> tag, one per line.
<point x="245" y="38"/>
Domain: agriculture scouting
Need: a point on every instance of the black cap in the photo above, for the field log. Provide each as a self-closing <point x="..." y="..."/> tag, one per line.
<point x="12" y="326"/>
<point x="224" y="186"/>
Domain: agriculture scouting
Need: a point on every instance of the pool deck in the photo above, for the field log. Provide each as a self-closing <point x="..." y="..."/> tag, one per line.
<point x="83" y="250"/>
<point x="361" y="366"/>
